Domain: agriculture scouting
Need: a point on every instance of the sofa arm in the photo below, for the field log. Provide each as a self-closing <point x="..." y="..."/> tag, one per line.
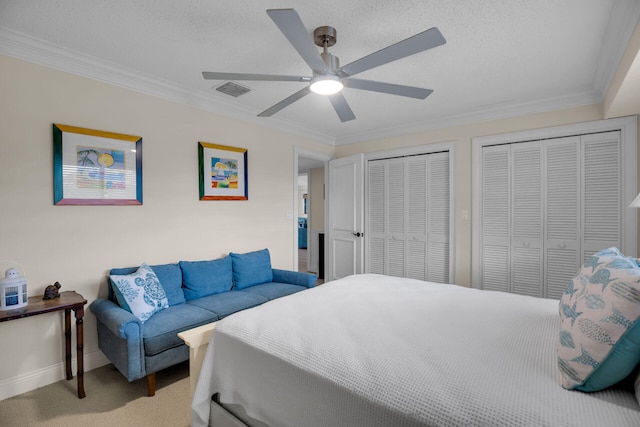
<point x="120" y="338"/>
<point x="118" y="320"/>
<point x="308" y="280"/>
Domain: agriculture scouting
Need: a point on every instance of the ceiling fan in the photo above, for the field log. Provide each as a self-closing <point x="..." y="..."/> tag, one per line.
<point x="328" y="78"/>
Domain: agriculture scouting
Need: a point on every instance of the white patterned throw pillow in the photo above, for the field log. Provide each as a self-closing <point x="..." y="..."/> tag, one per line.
<point x="140" y="293"/>
<point x="599" y="343"/>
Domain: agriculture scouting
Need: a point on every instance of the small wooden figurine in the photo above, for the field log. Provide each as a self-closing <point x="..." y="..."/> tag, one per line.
<point x="52" y="291"/>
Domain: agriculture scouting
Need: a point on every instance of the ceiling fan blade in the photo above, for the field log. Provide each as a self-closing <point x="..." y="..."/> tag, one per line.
<point x="393" y="89"/>
<point x="420" y="42"/>
<point x="285" y="102"/>
<point x="293" y="29"/>
<point x="342" y="107"/>
<point x="209" y="75"/>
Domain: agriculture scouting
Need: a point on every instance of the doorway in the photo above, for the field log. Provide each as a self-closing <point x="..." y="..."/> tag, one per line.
<point x="311" y="170"/>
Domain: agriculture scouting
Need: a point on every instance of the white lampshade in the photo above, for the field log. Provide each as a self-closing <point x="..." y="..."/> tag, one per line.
<point x="326" y="85"/>
<point x="636" y="202"/>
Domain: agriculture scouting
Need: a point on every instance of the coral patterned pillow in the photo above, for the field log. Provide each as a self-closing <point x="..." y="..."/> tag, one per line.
<point x="599" y="341"/>
<point x="140" y="293"/>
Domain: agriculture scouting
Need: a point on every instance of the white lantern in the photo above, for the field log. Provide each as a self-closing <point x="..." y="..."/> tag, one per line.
<point x="13" y="290"/>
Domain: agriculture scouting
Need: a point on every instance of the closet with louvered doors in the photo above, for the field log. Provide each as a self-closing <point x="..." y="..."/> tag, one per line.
<point x="546" y="206"/>
<point x="408" y="216"/>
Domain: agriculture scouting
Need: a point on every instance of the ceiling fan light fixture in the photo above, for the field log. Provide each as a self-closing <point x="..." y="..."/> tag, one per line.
<point x="326" y="85"/>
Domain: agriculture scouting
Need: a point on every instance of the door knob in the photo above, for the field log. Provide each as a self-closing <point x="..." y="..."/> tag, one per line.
<point x="357" y="234"/>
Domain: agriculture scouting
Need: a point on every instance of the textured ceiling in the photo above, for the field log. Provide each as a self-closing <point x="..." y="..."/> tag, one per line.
<point x="502" y="57"/>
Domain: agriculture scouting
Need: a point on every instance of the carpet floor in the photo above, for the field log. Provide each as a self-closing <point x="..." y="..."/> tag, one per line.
<point x="111" y="401"/>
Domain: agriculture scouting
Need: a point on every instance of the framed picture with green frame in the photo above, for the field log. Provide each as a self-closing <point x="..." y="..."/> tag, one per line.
<point x="222" y="172"/>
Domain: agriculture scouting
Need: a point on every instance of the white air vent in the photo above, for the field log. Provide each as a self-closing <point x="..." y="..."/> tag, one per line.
<point x="233" y="89"/>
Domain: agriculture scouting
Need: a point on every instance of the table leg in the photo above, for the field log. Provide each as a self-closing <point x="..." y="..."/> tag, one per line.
<point x="80" y="349"/>
<point x="67" y="343"/>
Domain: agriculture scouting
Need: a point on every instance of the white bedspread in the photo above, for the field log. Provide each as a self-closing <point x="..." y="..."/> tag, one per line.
<point x="373" y="350"/>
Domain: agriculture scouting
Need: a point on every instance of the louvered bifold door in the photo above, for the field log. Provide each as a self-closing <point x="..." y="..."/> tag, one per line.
<point x="527" y="219"/>
<point x="438" y="218"/>
<point x="495" y="218"/>
<point x="395" y="214"/>
<point x="417" y="203"/>
<point x="601" y="192"/>
<point x="376" y="217"/>
<point x="562" y="206"/>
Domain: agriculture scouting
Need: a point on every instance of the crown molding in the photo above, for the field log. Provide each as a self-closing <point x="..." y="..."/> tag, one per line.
<point x="31" y="49"/>
<point x="503" y="111"/>
<point x="624" y="15"/>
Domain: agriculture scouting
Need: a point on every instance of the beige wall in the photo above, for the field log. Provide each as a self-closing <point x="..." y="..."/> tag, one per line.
<point x="462" y="136"/>
<point x="76" y="245"/>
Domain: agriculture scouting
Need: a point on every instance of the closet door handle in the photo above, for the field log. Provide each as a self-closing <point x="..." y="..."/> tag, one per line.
<point x="357" y="234"/>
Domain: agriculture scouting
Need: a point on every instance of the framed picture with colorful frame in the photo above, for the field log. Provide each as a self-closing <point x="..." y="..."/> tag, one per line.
<point x="223" y="172"/>
<point x="93" y="167"/>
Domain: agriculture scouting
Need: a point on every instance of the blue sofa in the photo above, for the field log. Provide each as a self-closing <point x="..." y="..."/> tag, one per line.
<point x="197" y="293"/>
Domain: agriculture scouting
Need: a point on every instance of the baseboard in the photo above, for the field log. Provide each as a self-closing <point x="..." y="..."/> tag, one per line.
<point x="50" y="374"/>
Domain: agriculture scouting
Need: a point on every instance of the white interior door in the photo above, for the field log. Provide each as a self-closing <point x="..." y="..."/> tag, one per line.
<point x="346" y="214"/>
<point x="408" y="216"/>
<point x="495" y="217"/>
<point x="563" y="214"/>
<point x="527" y="218"/>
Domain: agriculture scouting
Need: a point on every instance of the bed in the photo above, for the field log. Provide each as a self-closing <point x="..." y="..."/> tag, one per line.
<point x="373" y="350"/>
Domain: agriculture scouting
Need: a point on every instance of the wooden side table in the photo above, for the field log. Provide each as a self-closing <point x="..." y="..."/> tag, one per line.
<point x="67" y="301"/>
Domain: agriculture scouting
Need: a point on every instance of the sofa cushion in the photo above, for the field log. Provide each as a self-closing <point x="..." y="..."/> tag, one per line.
<point x="169" y="275"/>
<point x="203" y="278"/>
<point x="599" y="342"/>
<point x="274" y="290"/>
<point x="251" y="268"/>
<point x="140" y="293"/>
<point x="228" y="303"/>
<point x="161" y="331"/>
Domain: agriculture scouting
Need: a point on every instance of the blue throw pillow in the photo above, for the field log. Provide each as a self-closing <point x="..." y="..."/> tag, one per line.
<point x="140" y="293"/>
<point x="252" y="268"/>
<point x="203" y="278"/>
<point x="599" y="342"/>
